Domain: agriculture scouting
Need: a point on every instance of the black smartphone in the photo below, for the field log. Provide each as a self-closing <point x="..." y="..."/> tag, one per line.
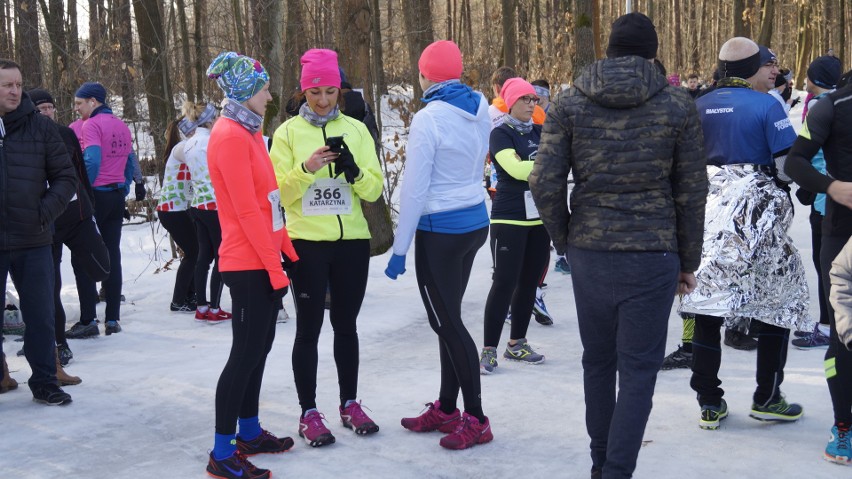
<point x="335" y="143"/>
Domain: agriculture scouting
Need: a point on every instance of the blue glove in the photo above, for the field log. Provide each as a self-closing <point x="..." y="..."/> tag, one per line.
<point x="396" y="266"/>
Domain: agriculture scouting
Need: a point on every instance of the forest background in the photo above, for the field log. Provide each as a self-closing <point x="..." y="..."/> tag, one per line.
<point x="152" y="54"/>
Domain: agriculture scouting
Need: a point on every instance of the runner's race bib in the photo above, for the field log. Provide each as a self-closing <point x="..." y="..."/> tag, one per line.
<point x="274" y="198"/>
<point x="529" y="206"/>
<point x="327" y="196"/>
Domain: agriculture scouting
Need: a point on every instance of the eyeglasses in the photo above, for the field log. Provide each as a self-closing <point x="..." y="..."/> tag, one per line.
<point x="45" y="107"/>
<point x="530" y="99"/>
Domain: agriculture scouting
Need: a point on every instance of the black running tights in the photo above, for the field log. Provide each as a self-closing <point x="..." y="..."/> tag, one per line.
<point x="838" y="359"/>
<point x="519" y="253"/>
<point x="209" y="238"/>
<point x="339" y="267"/>
<point x="253" y="326"/>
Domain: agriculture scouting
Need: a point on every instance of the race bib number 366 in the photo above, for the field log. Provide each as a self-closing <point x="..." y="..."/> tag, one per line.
<point x="327" y="196"/>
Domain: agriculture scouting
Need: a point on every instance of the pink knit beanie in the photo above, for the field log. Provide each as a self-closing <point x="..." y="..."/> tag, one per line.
<point x="441" y="61"/>
<point x="319" y="68"/>
<point x="515" y="88"/>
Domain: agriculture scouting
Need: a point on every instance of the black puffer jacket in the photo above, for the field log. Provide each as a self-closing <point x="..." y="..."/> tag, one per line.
<point x="636" y="151"/>
<point x="32" y="156"/>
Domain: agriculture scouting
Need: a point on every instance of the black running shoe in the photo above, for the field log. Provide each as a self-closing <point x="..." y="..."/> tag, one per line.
<point x="112" y="327"/>
<point x="51" y="394"/>
<point x="183" y="308"/>
<point x="680" y="359"/>
<point x="83" y="331"/>
<point x="237" y="466"/>
<point x="738" y="340"/>
<point x="265" y="443"/>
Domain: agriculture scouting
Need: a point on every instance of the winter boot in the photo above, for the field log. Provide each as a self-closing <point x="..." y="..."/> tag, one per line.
<point x="64" y="378"/>
<point x="7" y="383"/>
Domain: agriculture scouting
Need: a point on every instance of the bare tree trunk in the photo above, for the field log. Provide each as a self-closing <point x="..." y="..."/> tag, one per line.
<point x="596" y="28"/>
<point x="739" y="24"/>
<point x="27" y="51"/>
<point x="767" y="19"/>
<point x="238" y="25"/>
<point x="379" y="83"/>
<point x="584" y="38"/>
<point x="59" y="83"/>
<point x="73" y="32"/>
<point x="842" y="32"/>
<point x="294" y="42"/>
<point x="804" y="41"/>
<point x="198" y="12"/>
<point x="6" y="46"/>
<point x="189" y="82"/>
<point x="149" y="25"/>
<point x="125" y="39"/>
<point x="510" y="35"/>
<point x="418" y="26"/>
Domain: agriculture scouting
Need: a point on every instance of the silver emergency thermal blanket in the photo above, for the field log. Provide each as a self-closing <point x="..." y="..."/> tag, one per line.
<point x="749" y="266"/>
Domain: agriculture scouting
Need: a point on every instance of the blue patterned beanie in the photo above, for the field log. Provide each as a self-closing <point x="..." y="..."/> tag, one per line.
<point x="239" y="76"/>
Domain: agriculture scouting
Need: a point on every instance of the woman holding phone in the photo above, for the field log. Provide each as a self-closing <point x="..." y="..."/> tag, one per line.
<point x="322" y="188"/>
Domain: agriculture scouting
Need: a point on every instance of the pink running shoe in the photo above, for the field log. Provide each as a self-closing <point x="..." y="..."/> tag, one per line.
<point x="356" y="419"/>
<point x="313" y="431"/>
<point x="433" y="420"/>
<point x="468" y="433"/>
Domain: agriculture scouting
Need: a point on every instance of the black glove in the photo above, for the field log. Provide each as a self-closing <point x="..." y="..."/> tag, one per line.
<point x="289" y="265"/>
<point x="345" y="164"/>
<point x="805" y="197"/>
<point x="126" y="214"/>
<point x="140" y="191"/>
<point x="277" y="294"/>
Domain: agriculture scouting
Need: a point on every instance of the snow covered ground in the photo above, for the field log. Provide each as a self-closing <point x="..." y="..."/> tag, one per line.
<point x="145" y="407"/>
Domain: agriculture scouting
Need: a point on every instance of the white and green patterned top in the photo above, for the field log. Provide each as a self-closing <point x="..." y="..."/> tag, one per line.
<point x="204" y="197"/>
<point x="176" y="193"/>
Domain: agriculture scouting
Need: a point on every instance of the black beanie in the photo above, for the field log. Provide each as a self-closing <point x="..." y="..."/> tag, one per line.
<point x="39" y="96"/>
<point x="632" y="34"/>
<point x="824" y="72"/>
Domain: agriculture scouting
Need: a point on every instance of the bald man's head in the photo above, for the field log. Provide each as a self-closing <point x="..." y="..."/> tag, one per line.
<point x="739" y="57"/>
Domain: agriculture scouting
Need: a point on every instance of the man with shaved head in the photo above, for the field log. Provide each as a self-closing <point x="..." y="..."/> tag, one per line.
<point x="751" y="275"/>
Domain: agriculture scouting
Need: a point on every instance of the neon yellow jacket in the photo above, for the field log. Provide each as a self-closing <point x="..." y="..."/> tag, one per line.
<point x="293" y="143"/>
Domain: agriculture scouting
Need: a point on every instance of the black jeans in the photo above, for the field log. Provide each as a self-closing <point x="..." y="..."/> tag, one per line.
<point x="443" y="263"/>
<point x="707" y="358"/>
<point x="341" y="268"/>
<point x="519" y="254"/>
<point x="209" y="234"/>
<point x="90" y="260"/>
<point x="253" y="328"/>
<point x="109" y="214"/>
<point x="840" y="384"/>
<point x="180" y="225"/>
<point x="623" y="300"/>
<point x="32" y="273"/>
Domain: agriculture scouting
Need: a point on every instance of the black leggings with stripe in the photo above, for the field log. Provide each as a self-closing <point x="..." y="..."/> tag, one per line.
<point x="443" y="263"/>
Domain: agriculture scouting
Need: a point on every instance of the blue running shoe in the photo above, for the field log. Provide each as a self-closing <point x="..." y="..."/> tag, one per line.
<point x="540" y="310"/>
<point x="839" y="448"/>
<point x="562" y="265"/>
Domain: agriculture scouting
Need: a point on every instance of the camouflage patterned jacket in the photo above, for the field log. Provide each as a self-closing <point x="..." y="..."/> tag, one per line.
<point x="636" y="151"/>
